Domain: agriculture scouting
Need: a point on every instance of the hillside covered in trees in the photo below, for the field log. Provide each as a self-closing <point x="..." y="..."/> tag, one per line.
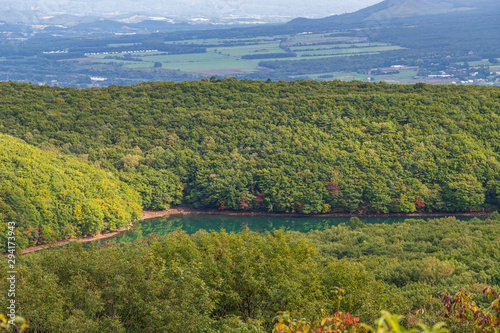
<point x="301" y="146"/>
<point x="52" y="196"/>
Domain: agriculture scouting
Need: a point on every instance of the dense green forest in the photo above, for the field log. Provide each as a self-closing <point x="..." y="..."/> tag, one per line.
<point x="299" y="146"/>
<point x="220" y="282"/>
<point x="53" y="196"/>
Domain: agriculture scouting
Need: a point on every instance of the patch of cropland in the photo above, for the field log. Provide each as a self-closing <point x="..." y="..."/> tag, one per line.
<point x="301" y="146"/>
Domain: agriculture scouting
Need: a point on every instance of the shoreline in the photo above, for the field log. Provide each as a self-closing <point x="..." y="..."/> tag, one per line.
<point x="146" y="214"/>
<point x="151" y="214"/>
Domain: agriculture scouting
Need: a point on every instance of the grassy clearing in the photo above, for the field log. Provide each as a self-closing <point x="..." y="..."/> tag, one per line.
<point x="214" y="65"/>
<point x="213" y="41"/>
<point x="302" y="58"/>
<point x="316" y="38"/>
<point x="479" y="62"/>
<point x="219" y="41"/>
<point x="407" y="73"/>
<point x="351" y="51"/>
<point x="122" y="44"/>
<point x="210" y="62"/>
<point x="143" y="64"/>
<point x="192" y="57"/>
<point x="238" y="51"/>
<point x="306" y="57"/>
<point x="335" y="46"/>
<point x="308" y="37"/>
<point x="187" y="62"/>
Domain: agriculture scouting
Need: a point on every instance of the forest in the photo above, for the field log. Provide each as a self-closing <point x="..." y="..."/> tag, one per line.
<point x="79" y="162"/>
<point x="298" y="147"/>
<point x="254" y="282"/>
<point x="52" y="196"/>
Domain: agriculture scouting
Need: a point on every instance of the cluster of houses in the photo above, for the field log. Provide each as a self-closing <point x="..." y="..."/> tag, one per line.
<point x="55" y="52"/>
<point x="120" y="52"/>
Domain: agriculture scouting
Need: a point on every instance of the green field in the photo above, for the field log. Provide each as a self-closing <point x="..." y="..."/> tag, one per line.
<point x="479" y="62"/>
<point x="298" y="48"/>
<point x="405" y="75"/>
<point x="225" y="56"/>
<point x="348" y="51"/>
<point x="310" y="38"/>
<point x="219" y="41"/>
<point x="202" y="61"/>
<point x="187" y="62"/>
<point x="141" y="64"/>
<point x="218" y="63"/>
<point x="238" y="51"/>
<point x="122" y="44"/>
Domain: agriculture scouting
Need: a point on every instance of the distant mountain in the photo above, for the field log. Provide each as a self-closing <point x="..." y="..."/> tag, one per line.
<point x="35" y="17"/>
<point x="267" y="10"/>
<point x="104" y="26"/>
<point x="389" y="10"/>
<point x="15" y="16"/>
<point x="28" y="21"/>
<point x="408" y="8"/>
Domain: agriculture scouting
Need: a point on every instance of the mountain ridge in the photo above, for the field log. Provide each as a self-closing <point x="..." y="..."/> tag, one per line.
<point x="388" y="10"/>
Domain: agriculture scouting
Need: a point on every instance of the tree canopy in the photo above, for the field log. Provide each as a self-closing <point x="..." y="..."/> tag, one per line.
<point x="53" y="196"/>
<point x="301" y="146"/>
<point x="238" y="282"/>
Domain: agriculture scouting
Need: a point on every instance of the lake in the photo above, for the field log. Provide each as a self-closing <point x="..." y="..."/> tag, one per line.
<point x="192" y="223"/>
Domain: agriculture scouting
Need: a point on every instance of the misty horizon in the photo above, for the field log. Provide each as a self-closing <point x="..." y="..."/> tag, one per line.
<point x="191" y="8"/>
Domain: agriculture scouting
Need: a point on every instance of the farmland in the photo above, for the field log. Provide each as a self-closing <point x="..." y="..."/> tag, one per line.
<point x="239" y="56"/>
<point x="293" y="56"/>
<point x="458" y="52"/>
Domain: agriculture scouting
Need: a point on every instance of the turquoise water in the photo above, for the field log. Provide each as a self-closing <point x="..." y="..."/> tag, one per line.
<point x="193" y="223"/>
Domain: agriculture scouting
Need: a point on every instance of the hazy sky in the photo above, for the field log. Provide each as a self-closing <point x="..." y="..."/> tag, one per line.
<point x="207" y="8"/>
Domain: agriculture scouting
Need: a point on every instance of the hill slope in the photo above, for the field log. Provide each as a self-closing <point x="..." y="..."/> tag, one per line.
<point x="388" y="10"/>
<point x="52" y="196"/>
<point x="297" y="146"/>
